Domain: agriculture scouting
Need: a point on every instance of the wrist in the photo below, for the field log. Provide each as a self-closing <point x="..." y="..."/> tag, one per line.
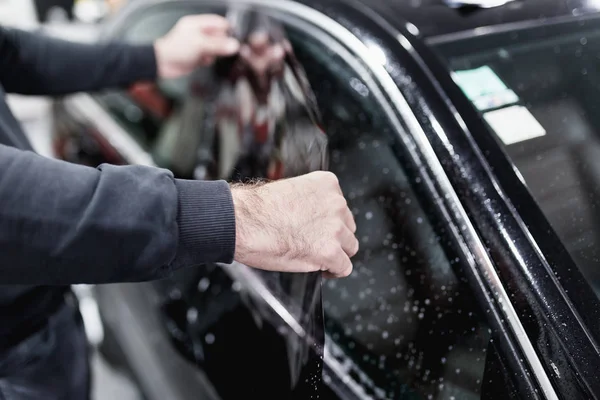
<point x="161" y="52"/>
<point x="240" y="197"/>
<point x="251" y="226"/>
<point x="206" y="222"/>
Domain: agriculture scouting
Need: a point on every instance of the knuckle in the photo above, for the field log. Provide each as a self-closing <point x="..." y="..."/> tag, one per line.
<point x="326" y="176"/>
<point x="340" y="203"/>
<point x="330" y="252"/>
<point x="339" y="229"/>
<point x="333" y="178"/>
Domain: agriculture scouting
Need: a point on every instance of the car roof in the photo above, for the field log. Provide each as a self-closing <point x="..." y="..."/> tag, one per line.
<point x="435" y="18"/>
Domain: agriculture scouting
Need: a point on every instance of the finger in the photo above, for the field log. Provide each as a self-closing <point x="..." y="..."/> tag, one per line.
<point x="349" y="242"/>
<point x="349" y="220"/>
<point x="209" y="23"/>
<point x="220" y="46"/>
<point x="341" y="268"/>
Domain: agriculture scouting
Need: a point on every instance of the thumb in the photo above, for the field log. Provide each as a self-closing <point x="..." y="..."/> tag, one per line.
<point x="219" y="46"/>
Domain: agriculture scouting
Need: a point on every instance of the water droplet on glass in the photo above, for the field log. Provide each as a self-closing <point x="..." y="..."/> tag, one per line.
<point x="209" y="338"/>
<point x="192" y="315"/>
<point x="369" y="215"/>
<point x="203" y="284"/>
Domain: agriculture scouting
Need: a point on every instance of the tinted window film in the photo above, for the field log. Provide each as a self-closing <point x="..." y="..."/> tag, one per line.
<point x="402" y="324"/>
<point x="538" y="90"/>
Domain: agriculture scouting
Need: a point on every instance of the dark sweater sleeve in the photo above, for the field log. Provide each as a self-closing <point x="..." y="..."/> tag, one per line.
<point x="35" y="64"/>
<point x="63" y="223"/>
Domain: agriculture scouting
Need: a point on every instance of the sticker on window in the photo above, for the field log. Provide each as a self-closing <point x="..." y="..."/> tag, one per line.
<point x="514" y="124"/>
<point x="484" y="88"/>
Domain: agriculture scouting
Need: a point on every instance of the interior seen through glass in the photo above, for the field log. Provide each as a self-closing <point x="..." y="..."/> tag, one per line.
<point x="539" y="90"/>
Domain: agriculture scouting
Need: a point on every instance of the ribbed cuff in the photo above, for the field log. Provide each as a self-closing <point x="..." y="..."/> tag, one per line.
<point x="206" y="221"/>
<point x="146" y="68"/>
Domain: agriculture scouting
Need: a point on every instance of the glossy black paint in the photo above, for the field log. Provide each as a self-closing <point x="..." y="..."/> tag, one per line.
<point x="433" y="18"/>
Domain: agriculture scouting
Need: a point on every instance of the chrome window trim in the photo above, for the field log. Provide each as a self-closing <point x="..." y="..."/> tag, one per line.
<point x="402" y="108"/>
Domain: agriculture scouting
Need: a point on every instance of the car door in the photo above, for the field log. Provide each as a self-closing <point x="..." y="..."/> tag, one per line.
<point x="418" y="318"/>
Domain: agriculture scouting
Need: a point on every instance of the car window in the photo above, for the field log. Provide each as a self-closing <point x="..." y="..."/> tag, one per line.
<point x="403" y="317"/>
<point x="538" y="90"/>
<point x="403" y="325"/>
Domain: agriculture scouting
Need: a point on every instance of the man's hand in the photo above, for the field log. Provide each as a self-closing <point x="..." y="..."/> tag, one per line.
<point x="196" y="40"/>
<point x="263" y="57"/>
<point x="300" y="224"/>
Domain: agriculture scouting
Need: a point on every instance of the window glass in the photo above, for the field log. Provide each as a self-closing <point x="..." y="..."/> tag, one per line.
<point x="403" y="317"/>
<point x="403" y="325"/>
<point x="538" y="89"/>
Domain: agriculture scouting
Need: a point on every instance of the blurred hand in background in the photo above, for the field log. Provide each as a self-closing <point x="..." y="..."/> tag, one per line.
<point x="195" y="41"/>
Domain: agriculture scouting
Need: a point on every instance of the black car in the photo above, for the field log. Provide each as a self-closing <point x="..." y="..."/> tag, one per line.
<point x="464" y="139"/>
